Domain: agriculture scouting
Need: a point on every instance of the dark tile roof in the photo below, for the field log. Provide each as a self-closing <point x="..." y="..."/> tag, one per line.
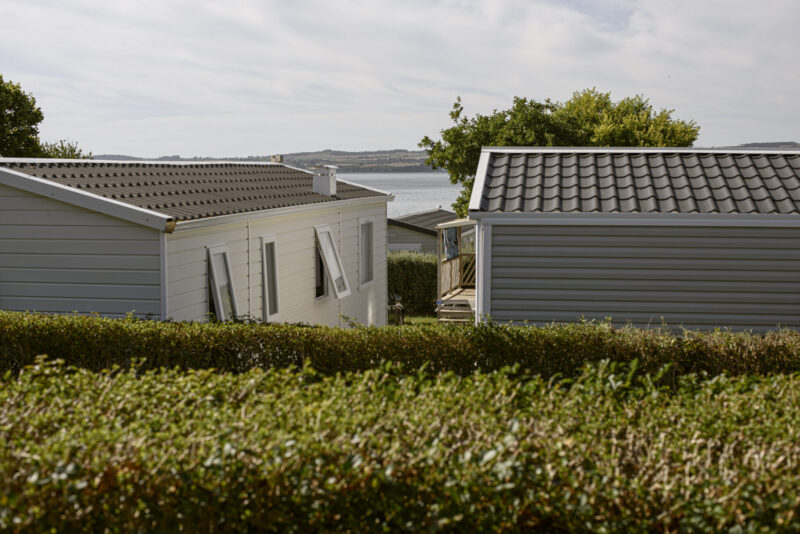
<point x="190" y="191"/>
<point x="424" y="221"/>
<point x="640" y="181"/>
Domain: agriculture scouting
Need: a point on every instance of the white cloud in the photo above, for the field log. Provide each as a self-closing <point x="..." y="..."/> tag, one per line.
<point x="249" y="77"/>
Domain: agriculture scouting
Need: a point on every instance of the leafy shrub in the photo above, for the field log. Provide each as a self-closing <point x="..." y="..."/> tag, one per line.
<point x="284" y="451"/>
<point x="97" y="343"/>
<point x="413" y="276"/>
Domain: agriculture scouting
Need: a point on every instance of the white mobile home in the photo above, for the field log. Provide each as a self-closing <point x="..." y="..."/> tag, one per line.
<point x="182" y="240"/>
<point x="694" y="237"/>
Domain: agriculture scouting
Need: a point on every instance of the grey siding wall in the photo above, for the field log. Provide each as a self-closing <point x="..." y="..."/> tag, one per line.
<point x="744" y="278"/>
<point x="187" y="267"/>
<point x="404" y="239"/>
<point x="59" y="258"/>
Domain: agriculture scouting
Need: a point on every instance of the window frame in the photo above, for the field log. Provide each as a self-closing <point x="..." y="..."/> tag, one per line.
<point x="214" y="279"/>
<point x="267" y="317"/>
<point x="361" y="222"/>
<point x="318" y="232"/>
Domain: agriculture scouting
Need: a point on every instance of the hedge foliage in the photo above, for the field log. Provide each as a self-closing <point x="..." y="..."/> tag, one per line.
<point x="97" y="343"/>
<point x="412" y="275"/>
<point x="287" y="451"/>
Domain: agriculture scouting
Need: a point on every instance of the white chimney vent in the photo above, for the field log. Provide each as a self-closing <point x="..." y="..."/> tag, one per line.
<point x="325" y="180"/>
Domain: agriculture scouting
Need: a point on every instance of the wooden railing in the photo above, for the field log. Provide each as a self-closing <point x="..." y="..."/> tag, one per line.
<point x="456" y="273"/>
<point x="467" y="267"/>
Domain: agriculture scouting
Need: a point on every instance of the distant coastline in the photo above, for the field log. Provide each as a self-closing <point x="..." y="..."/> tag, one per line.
<point x="376" y="161"/>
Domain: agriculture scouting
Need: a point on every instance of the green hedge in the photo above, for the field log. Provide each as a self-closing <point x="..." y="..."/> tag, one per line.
<point x="281" y="451"/>
<point x="413" y="276"/>
<point x="97" y="343"/>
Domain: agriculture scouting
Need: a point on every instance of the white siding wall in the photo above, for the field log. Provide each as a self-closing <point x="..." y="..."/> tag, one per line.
<point x="295" y="242"/>
<point x="55" y="257"/>
<point x="696" y="277"/>
<point x="404" y="239"/>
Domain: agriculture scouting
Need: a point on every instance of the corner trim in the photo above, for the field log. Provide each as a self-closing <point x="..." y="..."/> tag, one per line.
<point x="480" y="181"/>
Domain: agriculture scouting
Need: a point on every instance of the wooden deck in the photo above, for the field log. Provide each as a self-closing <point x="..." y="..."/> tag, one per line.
<point x="458" y="306"/>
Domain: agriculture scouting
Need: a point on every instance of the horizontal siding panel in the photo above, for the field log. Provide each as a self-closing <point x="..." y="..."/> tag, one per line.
<point x="615" y="308"/>
<point x="758" y="242"/>
<point x="559" y="285"/>
<point x="63" y="231"/>
<point x="53" y="218"/>
<point x="603" y="297"/>
<point x="740" y="277"/>
<point x="524" y="276"/>
<point x="185" y="301"/>
<point x="187" y="285"/>
<point x="56" y="257"/>
<point x="66" y="305"/>
<point x="79" y="246"/>
<point x="695" y="253"/>
<point x="71" y="290"/>
<point x="752" y="265"/>
<point x="598" y="230"/>
<point x="79" y="276"/>
<point x="690" y="321"/>
<point x="78" y="261"/>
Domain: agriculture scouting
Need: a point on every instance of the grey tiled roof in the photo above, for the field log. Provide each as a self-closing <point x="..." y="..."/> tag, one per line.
<point x="640" y="181"/>
<point x="425" y="221"/>
<point x="190" y="191"/>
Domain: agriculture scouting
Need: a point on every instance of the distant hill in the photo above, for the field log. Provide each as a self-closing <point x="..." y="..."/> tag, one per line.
<point x="786" y="145"/>
<point x="370" y="161"/>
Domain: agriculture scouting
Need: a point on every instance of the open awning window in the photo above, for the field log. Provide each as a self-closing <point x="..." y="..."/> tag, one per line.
<point x="333" y="263"/>
<point x="221" y="283"/>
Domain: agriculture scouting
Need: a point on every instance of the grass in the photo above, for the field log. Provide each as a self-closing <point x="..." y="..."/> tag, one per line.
<point x="421" y="320"/>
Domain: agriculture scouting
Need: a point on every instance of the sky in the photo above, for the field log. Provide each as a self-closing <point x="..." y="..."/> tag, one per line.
<point x="243" y="77"/>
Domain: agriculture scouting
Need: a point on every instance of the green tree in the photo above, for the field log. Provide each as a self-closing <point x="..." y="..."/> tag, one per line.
<point x="19" y="122"/>
<point x="64" y="149"/>
<point x="589" y="118"/>
<point x="19" y="128"/>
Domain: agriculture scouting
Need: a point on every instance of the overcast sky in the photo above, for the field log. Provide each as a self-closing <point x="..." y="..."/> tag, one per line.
<point x="241" y="77"/>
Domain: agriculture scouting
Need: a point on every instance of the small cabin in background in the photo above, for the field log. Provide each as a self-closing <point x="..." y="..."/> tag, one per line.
<point x="417" y="231"/>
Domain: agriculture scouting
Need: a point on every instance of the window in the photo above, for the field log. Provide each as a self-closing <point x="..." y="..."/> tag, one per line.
<point x="269" y="272"/>
<point x="221" y="282"/>
<point x="322" y="278"/>
<point x="366" y="248"/>
<point x="331" y="263"/>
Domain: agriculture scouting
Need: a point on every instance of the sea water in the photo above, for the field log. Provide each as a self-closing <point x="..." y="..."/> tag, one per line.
<point x="413" y="191"/>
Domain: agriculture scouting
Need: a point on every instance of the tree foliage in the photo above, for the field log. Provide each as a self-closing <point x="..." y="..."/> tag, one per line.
<point x="64" y="149"/>
<point x="19" y="121"/>
<point x="589" y="118"/>
<point x="19" y="127"/>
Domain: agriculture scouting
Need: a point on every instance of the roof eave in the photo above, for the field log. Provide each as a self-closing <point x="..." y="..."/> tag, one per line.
<point x="412" y="227"/>
<point x="277" y="212"/>
<point x="84" y="199"/>
<point x="637" y="219"/>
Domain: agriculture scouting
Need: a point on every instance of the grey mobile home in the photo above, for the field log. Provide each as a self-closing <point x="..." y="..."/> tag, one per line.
<point x="695" y="237"/>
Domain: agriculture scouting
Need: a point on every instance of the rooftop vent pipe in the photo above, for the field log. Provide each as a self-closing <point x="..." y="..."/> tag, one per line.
<point x="325" y="180"/>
